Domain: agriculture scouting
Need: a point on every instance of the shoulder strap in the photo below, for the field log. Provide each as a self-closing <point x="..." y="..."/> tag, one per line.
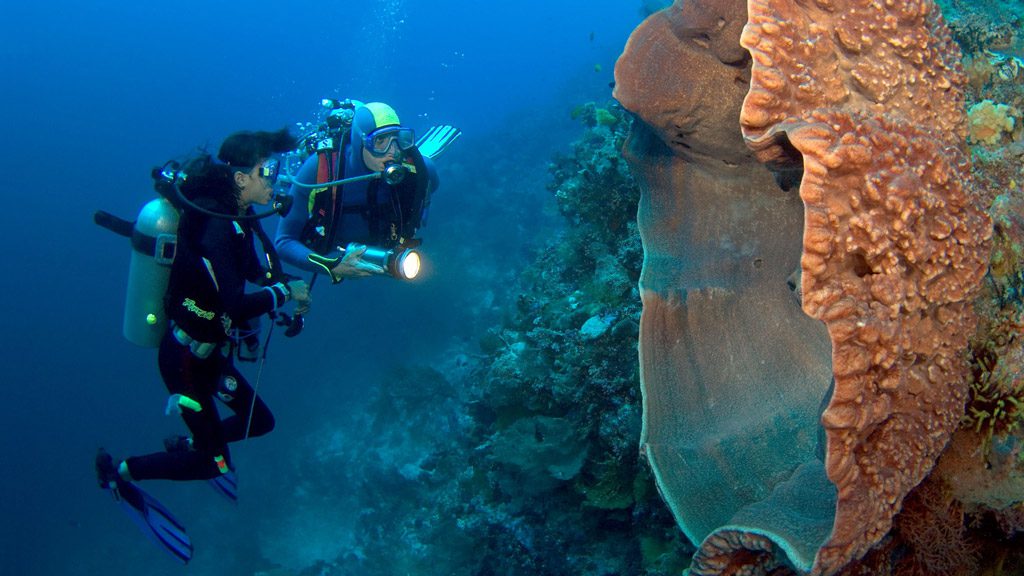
<point x="274" y="269"/>
<point x="416" y="204"/>
<point x="396" y="223"/>
<point x="325" y="204"/>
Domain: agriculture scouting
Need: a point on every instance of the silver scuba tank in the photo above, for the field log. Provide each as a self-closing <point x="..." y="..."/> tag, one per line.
<point x="154" y="240"/>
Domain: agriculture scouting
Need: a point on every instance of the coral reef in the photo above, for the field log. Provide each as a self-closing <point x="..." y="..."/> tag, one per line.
<point x="995" y="406"/>
<point x="478" y="464"/>
<point x="989" y="36"/>
<point x="990" y="123"/>
<point x="932" y="522"/>
<point x="967" y="517"/>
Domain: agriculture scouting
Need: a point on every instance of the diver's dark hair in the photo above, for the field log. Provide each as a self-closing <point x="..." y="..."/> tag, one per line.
<point x="214" y="181"/>
<point x="246" y="149"/>
<point x="211" y="182"/>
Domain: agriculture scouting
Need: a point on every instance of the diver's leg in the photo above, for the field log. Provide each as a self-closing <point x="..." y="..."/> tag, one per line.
<point x="196" y="378"/>
<point x="251" y="415"/>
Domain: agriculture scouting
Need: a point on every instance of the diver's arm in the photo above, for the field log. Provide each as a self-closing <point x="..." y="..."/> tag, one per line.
<point x="433" y="180"/>
<point x="288" y="240"/>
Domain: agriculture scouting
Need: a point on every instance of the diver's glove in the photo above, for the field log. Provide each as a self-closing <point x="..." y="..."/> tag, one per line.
<point x="327" y="264"/>
<point x="349" y="264"/>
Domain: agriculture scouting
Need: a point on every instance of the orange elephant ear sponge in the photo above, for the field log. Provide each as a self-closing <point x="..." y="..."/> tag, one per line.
<point x="883" y="245"/>
<point x="896" y="240"/>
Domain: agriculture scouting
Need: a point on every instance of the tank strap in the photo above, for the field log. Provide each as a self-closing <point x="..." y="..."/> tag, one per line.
<point x="161" y="247"/>
<point x="115" y="224"/>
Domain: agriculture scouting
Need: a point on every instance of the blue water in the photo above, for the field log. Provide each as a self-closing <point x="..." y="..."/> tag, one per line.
<point x="95" y="94"/>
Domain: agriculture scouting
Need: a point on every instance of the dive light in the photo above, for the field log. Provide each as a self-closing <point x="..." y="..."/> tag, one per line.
<point x="401" y="262"/>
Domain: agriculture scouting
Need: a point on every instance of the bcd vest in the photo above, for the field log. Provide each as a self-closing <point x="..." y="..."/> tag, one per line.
<point x="389" y="224"/>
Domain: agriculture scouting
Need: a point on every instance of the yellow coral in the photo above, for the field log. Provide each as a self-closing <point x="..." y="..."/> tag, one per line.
<point x="988" y="121"/>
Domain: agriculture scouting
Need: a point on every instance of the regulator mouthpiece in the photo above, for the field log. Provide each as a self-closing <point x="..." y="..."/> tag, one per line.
<point x="394" y="173"/>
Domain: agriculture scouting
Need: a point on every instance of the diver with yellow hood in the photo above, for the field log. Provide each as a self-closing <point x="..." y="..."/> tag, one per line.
<point x="362" y="195"/>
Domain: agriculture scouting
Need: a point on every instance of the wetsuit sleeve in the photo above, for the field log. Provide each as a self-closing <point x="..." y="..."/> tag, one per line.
<point x="288" y="240"/>
<point x="230" y="265"/>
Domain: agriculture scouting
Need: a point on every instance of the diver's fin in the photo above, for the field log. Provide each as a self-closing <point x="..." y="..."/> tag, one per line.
<point x="152" y="517"/>
<point x="155" y="520"/>
<point x="226" y="485"/>
<point x="437" y="140"/>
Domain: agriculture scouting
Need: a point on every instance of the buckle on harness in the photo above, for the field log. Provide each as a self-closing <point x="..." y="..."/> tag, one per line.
<point x="201" y="350"/>
<point x="326" y="144"/>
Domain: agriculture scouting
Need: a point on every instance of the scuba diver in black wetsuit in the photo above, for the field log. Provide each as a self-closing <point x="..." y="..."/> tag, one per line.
<point x="206" y="297"/>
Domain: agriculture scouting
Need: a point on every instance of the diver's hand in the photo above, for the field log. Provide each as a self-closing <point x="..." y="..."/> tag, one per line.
<point x="300" y="293"/>
<point x="352" y="265"/>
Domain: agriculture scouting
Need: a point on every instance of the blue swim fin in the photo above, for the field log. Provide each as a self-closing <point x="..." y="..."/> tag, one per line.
<point x="155" y="520"/>
<point x="437" y="140"/>
<point x="226" y="485"/>
<point x="152" y="517"/>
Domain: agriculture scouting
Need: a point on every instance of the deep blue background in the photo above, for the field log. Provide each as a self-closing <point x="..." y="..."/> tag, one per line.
<point x="95" y="94"/>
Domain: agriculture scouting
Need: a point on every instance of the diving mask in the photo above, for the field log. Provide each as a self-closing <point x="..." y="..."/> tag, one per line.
<point x="380" y="141"/>
<point x="270" y="170"/>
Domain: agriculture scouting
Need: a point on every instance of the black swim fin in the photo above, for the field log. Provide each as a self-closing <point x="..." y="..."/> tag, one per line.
<point x="152" y="517"/>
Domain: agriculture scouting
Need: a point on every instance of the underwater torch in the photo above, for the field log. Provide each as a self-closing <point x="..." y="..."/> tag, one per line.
<point x="401" y="262"/>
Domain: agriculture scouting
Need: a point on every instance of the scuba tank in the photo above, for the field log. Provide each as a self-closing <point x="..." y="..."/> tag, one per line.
<point x="154" y="239"/>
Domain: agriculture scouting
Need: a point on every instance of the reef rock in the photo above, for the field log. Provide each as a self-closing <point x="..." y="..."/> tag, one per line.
<point x="800" y="349"/>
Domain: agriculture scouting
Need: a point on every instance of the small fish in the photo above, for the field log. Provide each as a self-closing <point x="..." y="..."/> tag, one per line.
<point x="591" y="36"/>
<point x="597" y="68"/>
